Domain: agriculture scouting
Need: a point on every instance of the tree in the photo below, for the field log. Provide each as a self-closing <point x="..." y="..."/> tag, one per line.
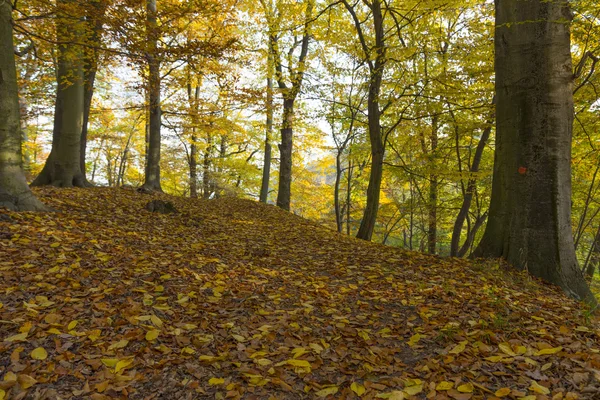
<point x="152" y="181"/>
<point x="14" y="192"/>
<point x="530" y="212"/>
<point x="94" y="25"/>
<point x="375" y="57"/>
<point x="289" y="90"/>
<point x="63" y="167"/>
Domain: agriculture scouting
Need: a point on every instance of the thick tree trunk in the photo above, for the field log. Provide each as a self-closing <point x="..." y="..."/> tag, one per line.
<point x="63" y="168"/>
<point x="529" y="221"/>
<point x="152" y="173"/>
<point x="14" y="192"/>
<point x="285" y="156"/>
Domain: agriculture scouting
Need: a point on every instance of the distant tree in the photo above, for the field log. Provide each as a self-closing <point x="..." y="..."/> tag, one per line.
<point x="529" y="221"/>
<point x="14" y="192"/>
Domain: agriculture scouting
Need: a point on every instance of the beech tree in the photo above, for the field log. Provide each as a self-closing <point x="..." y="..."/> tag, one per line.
<point x="530" y="211"/>
<point x="14" y="192"/>
<point x="63" y="166"/>
<point x="152" y="181"/>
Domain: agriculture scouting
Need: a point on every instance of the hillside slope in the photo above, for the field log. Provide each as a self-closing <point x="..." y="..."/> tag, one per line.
<point x="236" y="299"/>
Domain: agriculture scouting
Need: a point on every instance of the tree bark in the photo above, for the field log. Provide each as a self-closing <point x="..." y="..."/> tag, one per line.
<point x="63" y="167"/>
<point x="206" y="181"/>
<point x="285" y="156"/>
<point x="433" y="191"/>
<point x="266" y="172"/>
<point x="193" y="162"/>
<point x="367" y="224"/>
<point x="152" y="173"/>
<point x="14" y="192"/>
<point x="290" y="94"/>
<point x="529" y="220"/>
<point x="94" y="23"/>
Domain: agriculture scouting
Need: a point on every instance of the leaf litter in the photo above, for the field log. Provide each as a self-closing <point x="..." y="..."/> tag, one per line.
<point x="234" y="299"/>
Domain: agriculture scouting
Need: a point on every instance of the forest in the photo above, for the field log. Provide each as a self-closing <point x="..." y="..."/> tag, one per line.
<point x="269" y="142"/>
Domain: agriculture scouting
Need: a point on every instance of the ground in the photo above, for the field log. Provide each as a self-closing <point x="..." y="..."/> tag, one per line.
<point x="235" y="299"/>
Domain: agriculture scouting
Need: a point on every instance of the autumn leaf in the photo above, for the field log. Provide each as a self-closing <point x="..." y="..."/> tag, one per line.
<point x="414" y="390"/>
<point x="506" y="349"/>
<point x="465" y="388"/>
<point x="552" y="350"/>
<point x="357" y="388"/>
<point x="123" y="364"/>
<point x="327" y="391"/>
<point x="21" y="337"/>
<point x="118" y="345"/>
<point x="414" y="339"/>
<point x="39" y="353"/>
<point x="459" y="348"/>
<point x="502" y="392"/>
<point x="216" y="381"/>
<point x="152" y="335"/>
<point x="110" y="362"/>
<point x="536" y="387"/>
<point x="444" y="386"/>
<point x="26" y="381"/>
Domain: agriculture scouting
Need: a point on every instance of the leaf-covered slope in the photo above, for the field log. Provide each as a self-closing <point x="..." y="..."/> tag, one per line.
<point x="235" y="299"/>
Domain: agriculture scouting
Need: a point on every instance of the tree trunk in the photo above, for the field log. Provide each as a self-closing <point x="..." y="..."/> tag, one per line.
<point x="336" y="191"/>
<point x="94" y="23"/>
<point x="206" y="184"/>
<point x="14" y="192"/>
<point x="289" y="97"/>
<point x="285" y="156"/>
<point x="433" y="191"/>
<point x="193" y="162"/>
<point x="593" y="258"/>
<point x="468" y="195"/>
<point x="152" y="173"/>
<point x="266" y="172"/>
<point x="529" y="220"/>
<point x="63" y="167"/>
<point x="367" y="224"/>
<point x="349" y="194"/>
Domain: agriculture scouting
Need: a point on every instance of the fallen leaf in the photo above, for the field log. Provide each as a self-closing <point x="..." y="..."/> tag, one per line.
<point x="216" y="381"/>
<point x="152" y="335"/>
<point x="536" y="387"/>
<point x="39" y="353"/>
<point x="358" y="388"/>
<point x="444" y="386"/>
<point x="21" y="337"/>
<point x="553" y="350"/>
<point x="26" y="381"/>
<point x="327" y="391"/>
<point x="465" y="388"/>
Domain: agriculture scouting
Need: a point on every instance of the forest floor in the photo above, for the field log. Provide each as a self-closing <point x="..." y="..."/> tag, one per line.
<point x="235" y="299"/>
